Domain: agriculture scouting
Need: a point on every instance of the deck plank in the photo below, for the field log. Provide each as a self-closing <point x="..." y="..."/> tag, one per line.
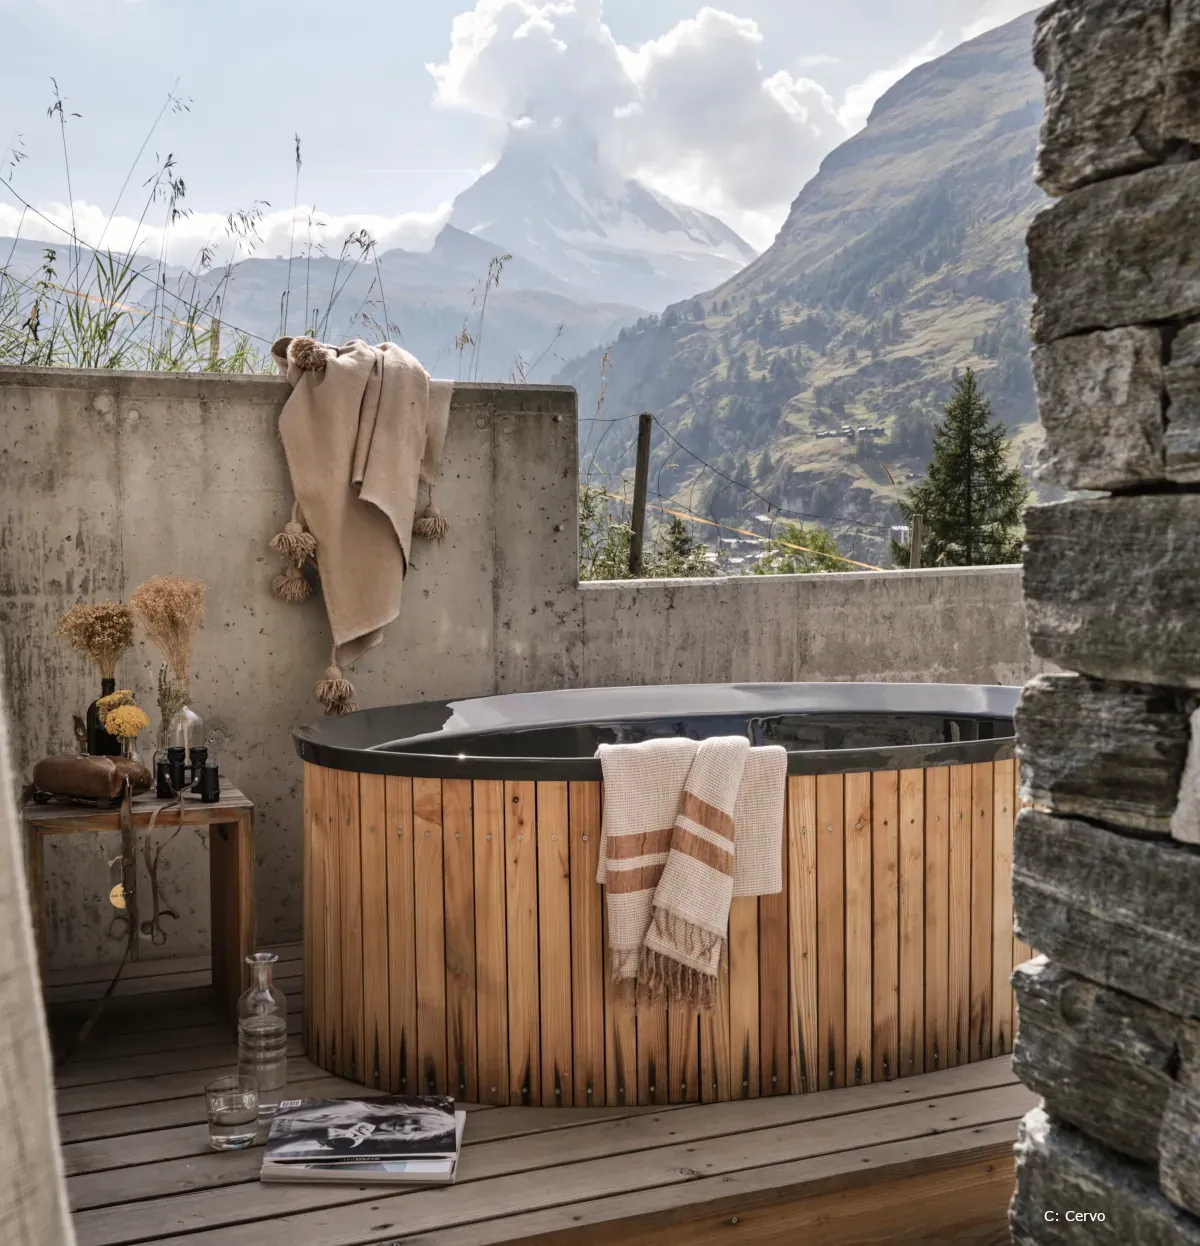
<point x="504" y="1178"/>
<point x="833" y="1199"/>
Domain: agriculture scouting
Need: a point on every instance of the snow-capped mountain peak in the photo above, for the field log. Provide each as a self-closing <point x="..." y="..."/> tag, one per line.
<point x="554" y="198"/>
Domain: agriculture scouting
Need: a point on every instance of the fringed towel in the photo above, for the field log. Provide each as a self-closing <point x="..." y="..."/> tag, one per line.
<point x="686" y="827"/>
<point x="363" y="429"/>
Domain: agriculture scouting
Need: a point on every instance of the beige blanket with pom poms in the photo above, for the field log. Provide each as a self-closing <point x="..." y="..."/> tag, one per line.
<point x="687" y="826"/>
<point x="363" y="429"/>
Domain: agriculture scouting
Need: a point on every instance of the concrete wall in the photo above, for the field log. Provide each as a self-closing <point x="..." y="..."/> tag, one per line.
<point x="107" y="478"/>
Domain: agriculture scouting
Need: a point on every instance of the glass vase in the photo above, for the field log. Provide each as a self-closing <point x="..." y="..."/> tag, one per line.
<point x="99" y="741"/>
<point x="129" y="749"/>
<point x="262" y="1033"/>
<point x="185" y="730"/>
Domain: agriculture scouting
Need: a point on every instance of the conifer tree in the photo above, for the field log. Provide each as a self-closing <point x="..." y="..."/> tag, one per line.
<point x="971" y="499"/>
<point x="801" y="550"/>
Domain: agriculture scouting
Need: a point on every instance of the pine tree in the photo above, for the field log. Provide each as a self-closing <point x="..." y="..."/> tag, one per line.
<point x="971" y="499"/>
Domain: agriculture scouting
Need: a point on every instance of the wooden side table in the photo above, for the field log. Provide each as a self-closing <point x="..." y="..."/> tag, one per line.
<point x="231" y="870"/>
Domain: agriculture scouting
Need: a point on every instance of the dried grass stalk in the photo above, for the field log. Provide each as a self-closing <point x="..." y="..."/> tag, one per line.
<point x="170" y="608"/>
<point x="103" y="630"/>
<point x="172" y="697"/>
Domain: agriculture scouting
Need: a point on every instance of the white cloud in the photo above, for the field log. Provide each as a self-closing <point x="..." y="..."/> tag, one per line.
<point x="411" y="230"/>
<point x="861" y="96"/>
<point x="995" y="13"/>
<point x="694" y="112"/>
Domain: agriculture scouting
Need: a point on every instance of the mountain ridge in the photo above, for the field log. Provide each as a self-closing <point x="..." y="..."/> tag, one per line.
<point x="901" y="262"/>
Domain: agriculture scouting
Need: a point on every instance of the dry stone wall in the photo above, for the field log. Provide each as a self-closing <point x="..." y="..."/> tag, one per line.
<point x="1106" y="871"/>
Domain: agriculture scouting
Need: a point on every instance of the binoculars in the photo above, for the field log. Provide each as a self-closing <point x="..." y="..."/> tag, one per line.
<point x="181" y="771"/>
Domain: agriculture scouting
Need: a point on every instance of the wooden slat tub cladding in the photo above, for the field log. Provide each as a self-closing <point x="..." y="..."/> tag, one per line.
<point x="982" y="849"/>
<point x="1004" y="804"/>
<point x="430" y="910"/>
<point x="959" y="981"/>
<point x="937" y="919"/>
<point x="372" y="790"/>
<point x="773" y="986"/>
<point x="587" y="946"/>
<point x="744" y="1050"/>
<point x="804" y="1047"/>
<point x="857" y="823"/>
<point x="554" y="943"/>
<point x="525" y="1057"/>
<point x="912" y="922"/>
<point x="885" y="882"/>
<point x="458" y="850"/>
<point x="491" y="952"/>
<point x="456" y="939"/>
<point x="401" y="933"/>
<point x="831" y="933"/>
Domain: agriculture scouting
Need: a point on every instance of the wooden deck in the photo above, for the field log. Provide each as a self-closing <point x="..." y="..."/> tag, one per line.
<point x="925" y="1159"/>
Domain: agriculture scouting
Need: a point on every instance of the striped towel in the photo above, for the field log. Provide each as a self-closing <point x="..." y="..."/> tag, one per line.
<point x="687" y="826"/>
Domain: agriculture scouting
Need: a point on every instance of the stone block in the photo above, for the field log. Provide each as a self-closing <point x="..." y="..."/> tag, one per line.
<point x="1185" y="820"/>
<point x="1179" y="1139"/>
<point x="1101" y="398"/>
<point x="1182" y="437"/>
<point x="1072" y="1190"/>
<point x="1103" y="66"/>
<point x="1100" y="1059"/>
<point x="1112" y="586"/>
<point x="1110" y="752"/>
<point x="1181" y="73"/>
<point x="1119" y="910"/>
<point x="1121" y="252"/>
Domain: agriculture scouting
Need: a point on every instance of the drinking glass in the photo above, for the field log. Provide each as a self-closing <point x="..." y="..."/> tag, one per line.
<point x="232" y="1112"/>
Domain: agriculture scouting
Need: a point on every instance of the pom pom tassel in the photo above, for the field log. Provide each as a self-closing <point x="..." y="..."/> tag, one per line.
<point x="335" y="692"/>
<point x="308" y="355"/>
<point x="295" y="542"/>
<point x="432" y="524"/>
<point x="291" y="586"/>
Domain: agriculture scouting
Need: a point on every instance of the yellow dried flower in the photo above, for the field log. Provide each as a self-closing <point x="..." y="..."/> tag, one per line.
<point x="126" y="721"/>
<point x="103" y="630"/>
<point x="113" y="701"/>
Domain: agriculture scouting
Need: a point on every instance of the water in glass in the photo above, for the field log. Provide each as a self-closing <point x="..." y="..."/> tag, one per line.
<point x="262" y="1033"/>
<point x="232" y="1112"/>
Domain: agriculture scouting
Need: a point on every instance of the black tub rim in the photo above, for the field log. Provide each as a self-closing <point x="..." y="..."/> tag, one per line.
<point x="344" y="743"/>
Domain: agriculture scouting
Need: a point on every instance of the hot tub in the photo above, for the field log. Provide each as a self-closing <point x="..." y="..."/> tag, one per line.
<point x="454" y="931"/>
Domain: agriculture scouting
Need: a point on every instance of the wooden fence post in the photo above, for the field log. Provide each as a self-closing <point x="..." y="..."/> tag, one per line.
<point x="641" y="478"/>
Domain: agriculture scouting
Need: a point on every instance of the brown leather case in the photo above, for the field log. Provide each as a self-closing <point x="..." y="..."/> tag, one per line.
<point x="85" y="777"/>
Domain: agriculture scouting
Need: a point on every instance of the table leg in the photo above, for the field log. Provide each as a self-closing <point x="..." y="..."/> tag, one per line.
<point x="35" y="868"/>
<point x="231" y="887"/>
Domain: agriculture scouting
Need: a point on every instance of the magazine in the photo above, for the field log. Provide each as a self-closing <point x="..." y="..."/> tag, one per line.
<point x="393" y="1138"/>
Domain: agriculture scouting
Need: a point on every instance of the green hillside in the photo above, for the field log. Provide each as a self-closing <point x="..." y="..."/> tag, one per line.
<point x="901" y="262"/>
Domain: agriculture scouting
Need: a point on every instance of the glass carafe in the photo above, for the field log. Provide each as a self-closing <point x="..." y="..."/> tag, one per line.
<point x="262" y="1033"/>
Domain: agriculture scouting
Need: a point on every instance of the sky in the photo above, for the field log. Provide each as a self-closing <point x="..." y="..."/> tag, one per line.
<point x="400" y="106"/>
